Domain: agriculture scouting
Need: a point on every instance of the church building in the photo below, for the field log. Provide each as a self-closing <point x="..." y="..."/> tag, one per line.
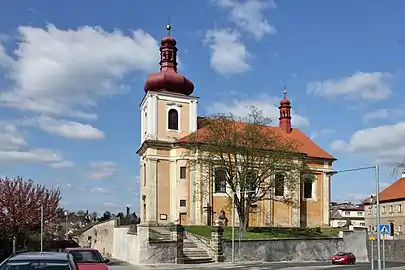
<point x="168" y="185"/>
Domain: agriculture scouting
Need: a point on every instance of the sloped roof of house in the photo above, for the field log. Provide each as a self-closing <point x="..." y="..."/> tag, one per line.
<point x="306" y="145"/>
<point x="395" y="191"/>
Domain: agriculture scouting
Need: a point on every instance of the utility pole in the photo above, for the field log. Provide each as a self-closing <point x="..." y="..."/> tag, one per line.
<point x="42" y="227"/>
<point x="66" y="225"/>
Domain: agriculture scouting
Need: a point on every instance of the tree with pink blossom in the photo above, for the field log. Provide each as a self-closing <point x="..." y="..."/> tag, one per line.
<point x="20" y="205"/>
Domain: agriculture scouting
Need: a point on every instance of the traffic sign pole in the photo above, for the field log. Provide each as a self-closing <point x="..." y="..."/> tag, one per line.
<point x="383" y="251"/>
<point x="372" y="252"/>
<point x="378" y="217"/>
<point x="383" y="230"/>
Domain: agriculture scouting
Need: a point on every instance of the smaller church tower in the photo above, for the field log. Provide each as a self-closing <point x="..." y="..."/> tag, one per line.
<point x="285" y="113"/>
<point x="168" y="113"/>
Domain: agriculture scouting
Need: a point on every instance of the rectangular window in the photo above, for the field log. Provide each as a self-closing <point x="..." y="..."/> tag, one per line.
<point x="251" y="182"/>
<point x="183" y="203"/>
<point x="220" y="180"/>
<point x="279" y="185"/>
<point x="182" y="172"/>
<point x="308" y="189"/>
<point x="391" y="209"/>
<point x="359" y="214"/>
<point x="383" y="210"/>
<point x="399" y="208"/>
<point x="399" y="228"/>
<point x="347" y="213"/>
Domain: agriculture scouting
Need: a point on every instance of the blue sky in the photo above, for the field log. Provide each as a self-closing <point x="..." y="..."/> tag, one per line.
<point x="73" y="76"/>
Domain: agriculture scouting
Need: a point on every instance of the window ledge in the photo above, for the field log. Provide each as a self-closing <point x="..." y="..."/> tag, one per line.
<point x="173" y="130"/>
<point x="220" y="194"/>
<point x="309" y="199"/>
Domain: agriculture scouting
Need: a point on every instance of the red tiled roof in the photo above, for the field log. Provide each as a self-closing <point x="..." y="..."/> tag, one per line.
<point x="353" y="208"/>
<point x="306" y="145"/>
<point x="394" y="192"/>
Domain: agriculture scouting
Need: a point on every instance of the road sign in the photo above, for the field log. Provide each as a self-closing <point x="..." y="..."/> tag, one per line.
<point x="384" y="228"/>
<point x="371" y="238"/>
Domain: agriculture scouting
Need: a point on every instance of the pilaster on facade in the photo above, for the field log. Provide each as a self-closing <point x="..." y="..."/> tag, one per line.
<point x="197" y="194"/>
<point x="173" y="191"/>
<point x="148" y="116"/>
<point x="326" y="199"/>
<point x="193" y="115"/>
<point x="151" y="197"/>
<point x="192" y="202"/>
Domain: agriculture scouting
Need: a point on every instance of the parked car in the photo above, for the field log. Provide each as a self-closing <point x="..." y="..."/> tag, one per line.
<point x="88" y="258"/>
<point x="344" y="258"/>
<point x="36" y="260"/>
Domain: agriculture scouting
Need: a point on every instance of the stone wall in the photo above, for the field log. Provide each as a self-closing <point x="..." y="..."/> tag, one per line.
<point x="125" y="247"/>
<point x="99" y="236"/>
<point x="394" y="250"/>
<point x="283" y="250"/>
<point x="297" y="250"/>
<point x="133" y="247"/>
<point x="155" y="252"/>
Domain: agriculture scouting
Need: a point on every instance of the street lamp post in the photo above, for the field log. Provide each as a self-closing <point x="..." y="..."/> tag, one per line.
<point x="66" y="224"/>
<point x="233" y="223"/>
<point x="42" y="227"/>
<point x="376" y="169"/>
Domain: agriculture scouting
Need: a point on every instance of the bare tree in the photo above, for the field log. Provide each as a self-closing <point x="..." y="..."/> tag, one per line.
<point x="247" y="159"/>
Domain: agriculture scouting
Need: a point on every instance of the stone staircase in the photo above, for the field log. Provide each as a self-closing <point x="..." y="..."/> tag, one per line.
<point x="193" y="254"/>
<point x="159" y="233"/>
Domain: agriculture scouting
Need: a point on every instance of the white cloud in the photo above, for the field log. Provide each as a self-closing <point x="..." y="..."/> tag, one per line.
<point x="102" y="169"/>
<point x="62" y="164"/>
<point x="14" y="148"/>
<point x="268" y="105"/>
<point x="322" y="132"/>
<point x="228" y="54"/>
<point x="65" y="72"/>
<point x="382" y="114"/>
<point x="383" y="144"/>
<point x="65" y="128"/>
<point x="360" y="85"/>
<point x="10" y="137"/>
<point x="248" y="15"/>
<point x="100" y="190"/>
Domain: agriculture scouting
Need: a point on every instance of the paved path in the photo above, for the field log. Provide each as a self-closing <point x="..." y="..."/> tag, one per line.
<point x="262" y="266"/>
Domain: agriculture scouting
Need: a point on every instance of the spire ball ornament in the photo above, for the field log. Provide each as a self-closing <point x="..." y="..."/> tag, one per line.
<point x="168" y="27"/>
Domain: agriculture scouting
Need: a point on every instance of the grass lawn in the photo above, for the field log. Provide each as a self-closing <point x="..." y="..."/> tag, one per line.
<point x="268" y="233"/>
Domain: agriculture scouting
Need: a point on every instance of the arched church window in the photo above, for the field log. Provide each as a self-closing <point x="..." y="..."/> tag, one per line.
<point x="173" y="116"/>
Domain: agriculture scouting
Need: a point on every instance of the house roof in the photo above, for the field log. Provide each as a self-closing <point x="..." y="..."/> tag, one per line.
<point x="349" y="207"/>
<point x="306" y="145"/>
<point x="395" y="191"/>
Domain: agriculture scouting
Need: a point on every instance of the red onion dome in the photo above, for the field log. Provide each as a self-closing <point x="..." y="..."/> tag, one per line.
<point x="168" y="79"/>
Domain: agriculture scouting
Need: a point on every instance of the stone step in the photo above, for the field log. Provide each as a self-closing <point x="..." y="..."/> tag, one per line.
<point x="196" y="260"/>
<point x="196" y="253"/>
<point x="190" y="246"/>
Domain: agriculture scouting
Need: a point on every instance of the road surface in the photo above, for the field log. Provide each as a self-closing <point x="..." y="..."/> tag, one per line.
<point x="262" y="266"/>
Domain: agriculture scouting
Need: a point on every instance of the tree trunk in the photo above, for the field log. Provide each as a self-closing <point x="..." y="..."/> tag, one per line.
<point x="243" y="222"/>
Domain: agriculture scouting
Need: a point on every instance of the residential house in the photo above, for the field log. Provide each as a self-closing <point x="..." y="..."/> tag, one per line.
<point x="347" y="215"/>
<point x="170" y="191"/>
<point x="392" y="205"/>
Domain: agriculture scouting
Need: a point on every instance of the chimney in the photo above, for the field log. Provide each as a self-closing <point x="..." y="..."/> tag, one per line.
<point x="127" y="211"/>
